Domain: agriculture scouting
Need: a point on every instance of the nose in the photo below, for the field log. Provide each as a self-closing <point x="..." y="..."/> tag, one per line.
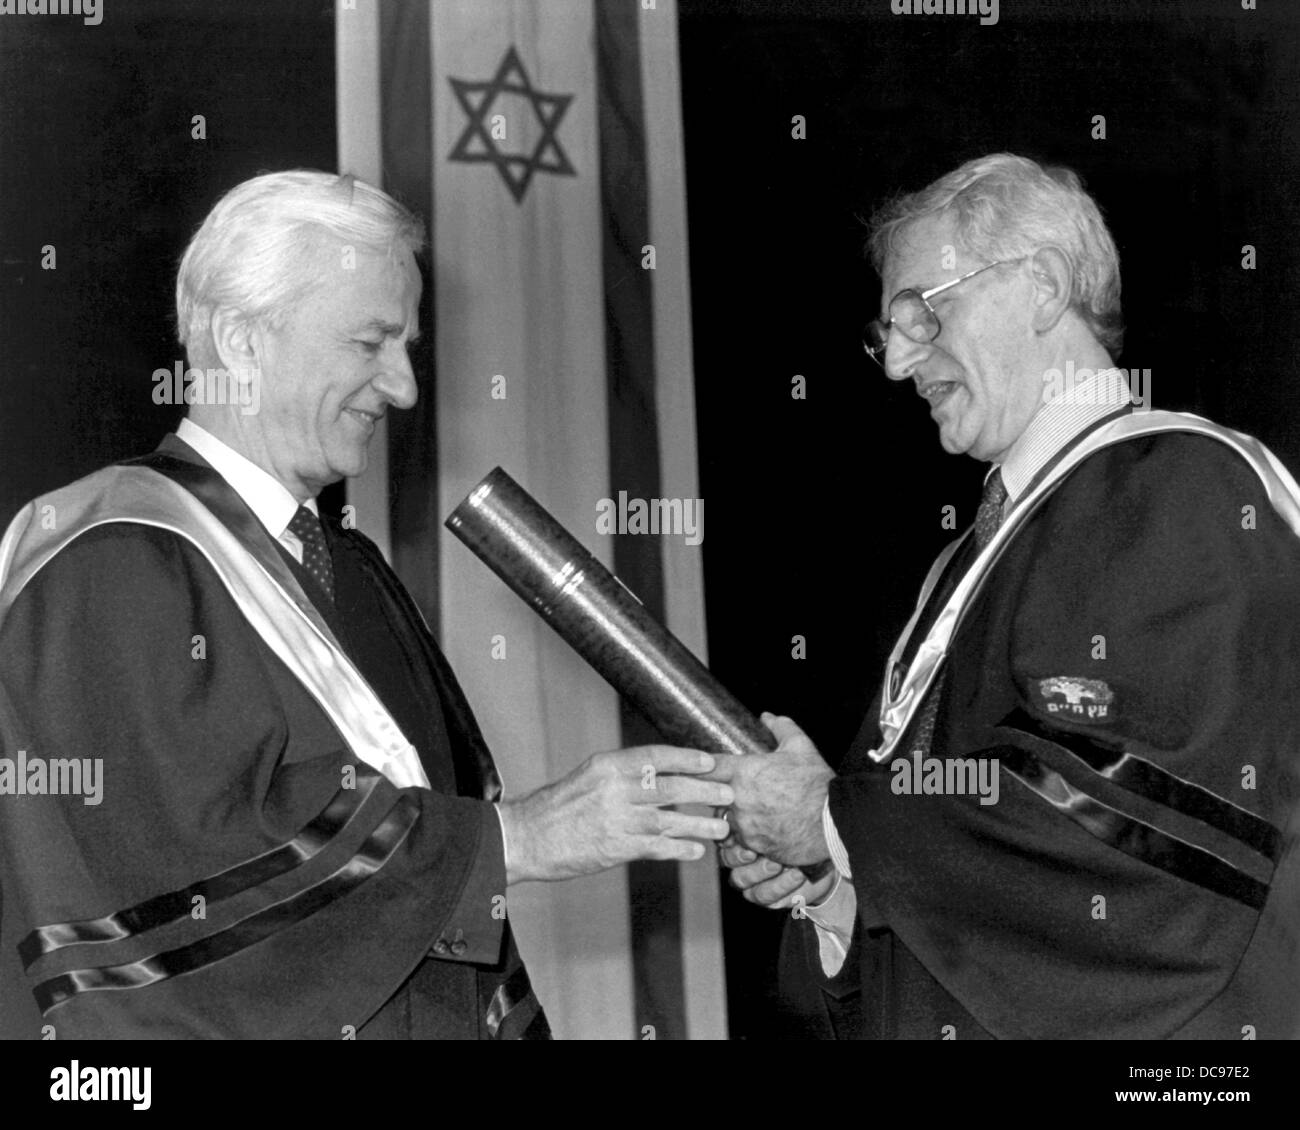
<point x="397" y="380"/>
<point x="903" y="354"/>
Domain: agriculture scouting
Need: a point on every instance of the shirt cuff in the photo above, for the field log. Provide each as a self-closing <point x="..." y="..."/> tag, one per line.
<point x="833" y="918"/>
<point x="839" y="854"/>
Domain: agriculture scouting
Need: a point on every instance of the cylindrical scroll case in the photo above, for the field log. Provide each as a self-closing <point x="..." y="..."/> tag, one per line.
<point x="605" y="623"/>
<point x="597" y="615"/>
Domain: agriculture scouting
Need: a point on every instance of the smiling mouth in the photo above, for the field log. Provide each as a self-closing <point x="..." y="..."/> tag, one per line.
<point x="368" y="418"/>
<point x="936" y="392"/>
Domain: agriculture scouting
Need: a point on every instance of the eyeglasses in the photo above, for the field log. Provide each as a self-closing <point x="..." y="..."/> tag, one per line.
<point x="911" y="312"/>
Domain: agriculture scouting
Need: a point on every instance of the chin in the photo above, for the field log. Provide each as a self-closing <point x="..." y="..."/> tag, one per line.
<point x="953" y="444"/>
<point x="347" y="471"/>
<point x="348" y="462"/>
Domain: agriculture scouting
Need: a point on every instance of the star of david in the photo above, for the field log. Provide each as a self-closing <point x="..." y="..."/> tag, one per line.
<point x="477" y="143"/>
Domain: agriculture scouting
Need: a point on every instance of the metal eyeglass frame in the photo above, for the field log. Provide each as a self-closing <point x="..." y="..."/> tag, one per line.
<point x="881" y="330"/>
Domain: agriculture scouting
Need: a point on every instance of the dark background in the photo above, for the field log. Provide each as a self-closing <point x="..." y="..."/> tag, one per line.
<point x="96" y="158"/>
<point x="823" y="513"/>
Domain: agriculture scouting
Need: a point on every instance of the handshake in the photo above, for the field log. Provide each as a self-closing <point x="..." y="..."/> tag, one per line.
<point x="618" y="807"/>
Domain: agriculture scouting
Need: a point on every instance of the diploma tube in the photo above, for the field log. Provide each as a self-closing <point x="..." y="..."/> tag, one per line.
<point x="596" y="614"/>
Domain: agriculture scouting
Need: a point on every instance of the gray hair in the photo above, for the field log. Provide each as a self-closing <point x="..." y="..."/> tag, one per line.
<point x="258" y="250"/>
<point x="1006" y="207"/>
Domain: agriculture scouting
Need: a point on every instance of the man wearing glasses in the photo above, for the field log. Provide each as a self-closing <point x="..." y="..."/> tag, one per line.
<point x="1071" y="811"/>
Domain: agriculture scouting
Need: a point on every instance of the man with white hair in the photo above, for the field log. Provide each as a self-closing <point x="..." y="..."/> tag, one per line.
<point x="300" y="832"/>
<point x="1071" y="812"/>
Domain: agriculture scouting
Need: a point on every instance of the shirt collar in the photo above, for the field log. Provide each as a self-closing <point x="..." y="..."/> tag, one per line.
<point x="264" y="494"/>
<point x="1068" y="409"/>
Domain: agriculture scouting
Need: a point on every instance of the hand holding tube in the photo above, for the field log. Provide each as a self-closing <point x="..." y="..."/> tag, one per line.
<point x="779" y="797"/>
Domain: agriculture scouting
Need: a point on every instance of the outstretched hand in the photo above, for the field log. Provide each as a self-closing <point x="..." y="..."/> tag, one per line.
<point x="613" y="809"/>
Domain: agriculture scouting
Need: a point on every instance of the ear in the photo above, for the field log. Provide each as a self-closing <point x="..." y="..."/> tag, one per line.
<point x="237" y="341"/>
<point x="1053" y="279"/>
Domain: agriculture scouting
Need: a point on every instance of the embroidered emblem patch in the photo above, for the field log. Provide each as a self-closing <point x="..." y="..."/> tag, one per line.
<point x="1076" y="699"/>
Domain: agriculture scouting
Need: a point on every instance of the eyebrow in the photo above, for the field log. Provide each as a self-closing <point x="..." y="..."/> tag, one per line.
<point x="388" y="329"/>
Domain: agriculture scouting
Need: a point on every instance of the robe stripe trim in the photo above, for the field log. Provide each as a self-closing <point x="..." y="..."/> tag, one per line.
<point x="1134" y="837"/>
<point x="377" y="849"/>
<point x="175" y="906"/>
<point x="1145" y="779"/>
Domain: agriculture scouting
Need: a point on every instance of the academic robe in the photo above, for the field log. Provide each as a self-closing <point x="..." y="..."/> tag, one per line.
<point x="244" y="874"/>
<point x="1132" y="666"/>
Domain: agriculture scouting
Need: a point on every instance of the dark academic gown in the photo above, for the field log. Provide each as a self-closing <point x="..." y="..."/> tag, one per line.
<point x="1138" y="876"/>
<point x="245" y="875"/>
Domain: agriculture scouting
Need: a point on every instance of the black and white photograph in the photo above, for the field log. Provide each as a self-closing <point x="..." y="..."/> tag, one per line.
<point x="372" y="669"/>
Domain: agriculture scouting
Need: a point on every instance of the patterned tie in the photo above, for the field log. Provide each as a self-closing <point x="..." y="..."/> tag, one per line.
<point x="315" y="554"/>
<point x="514" y="1012"/>
<point x="987" y="520"/>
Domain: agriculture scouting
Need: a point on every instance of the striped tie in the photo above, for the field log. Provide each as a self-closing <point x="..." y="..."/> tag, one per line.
<point x="315" y="553"/>
<point x="987" y="520"/>
<point x="515" y="1013"/>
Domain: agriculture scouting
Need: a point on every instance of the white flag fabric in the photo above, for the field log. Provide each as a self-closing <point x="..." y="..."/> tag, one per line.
<point x="541" y="139"/>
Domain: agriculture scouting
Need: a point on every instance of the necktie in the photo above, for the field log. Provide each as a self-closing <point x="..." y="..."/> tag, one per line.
<point x="989" y="516"/>
<point x="987" y="520"/>
<point x="315" y="554"/>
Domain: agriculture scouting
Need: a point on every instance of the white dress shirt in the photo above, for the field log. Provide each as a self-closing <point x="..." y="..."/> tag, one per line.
<point x="265" y="495"/>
